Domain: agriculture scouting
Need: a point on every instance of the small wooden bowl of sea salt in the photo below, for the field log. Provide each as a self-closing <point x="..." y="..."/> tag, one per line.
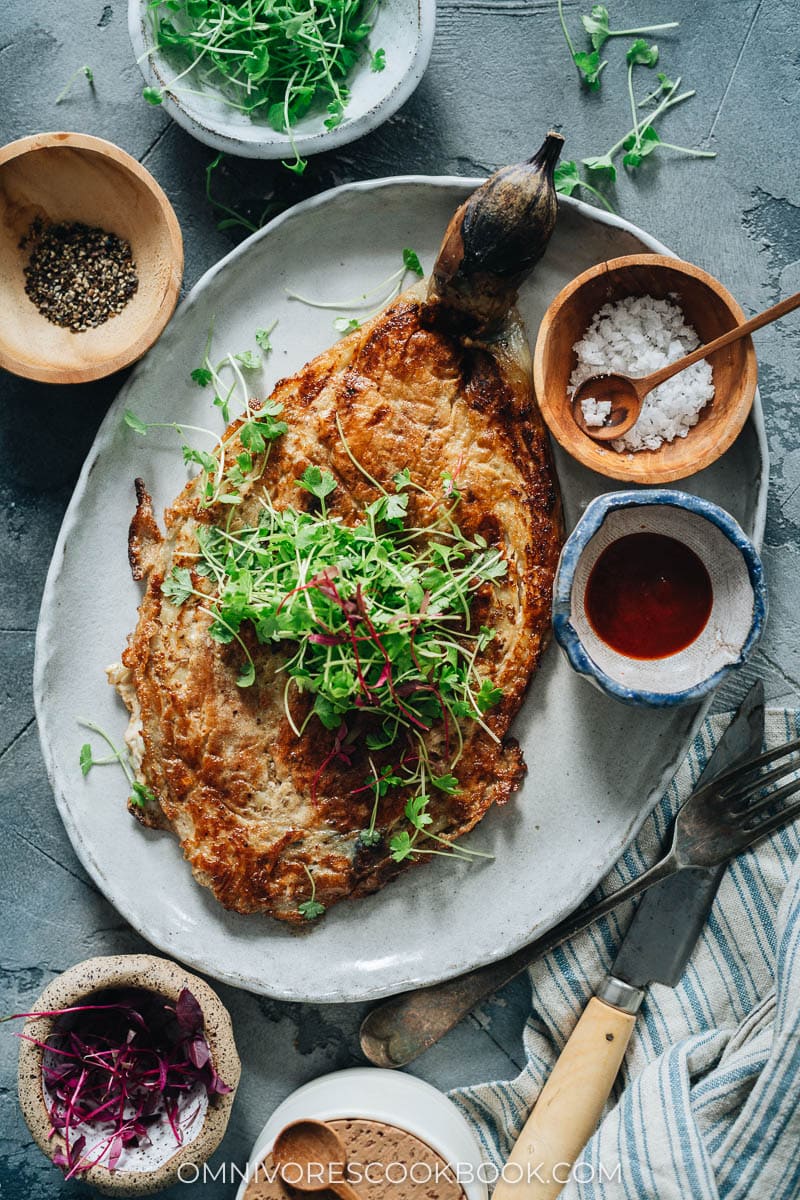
<point x="630" y="316"/>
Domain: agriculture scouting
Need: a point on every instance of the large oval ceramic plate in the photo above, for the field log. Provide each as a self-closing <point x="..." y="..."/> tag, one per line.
<point x="594" y="767"/>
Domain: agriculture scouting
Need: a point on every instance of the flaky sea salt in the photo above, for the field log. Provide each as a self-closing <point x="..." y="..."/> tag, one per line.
<point x="595" y="412"/>
<point x="636" y="336"/>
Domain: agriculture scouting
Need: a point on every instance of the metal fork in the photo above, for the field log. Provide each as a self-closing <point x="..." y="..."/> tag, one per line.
<point x="717" y="822"/>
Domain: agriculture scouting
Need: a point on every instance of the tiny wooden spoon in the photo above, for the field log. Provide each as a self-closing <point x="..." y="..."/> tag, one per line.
<point x="626" y="395"/>
<point x="311" y="1157"/>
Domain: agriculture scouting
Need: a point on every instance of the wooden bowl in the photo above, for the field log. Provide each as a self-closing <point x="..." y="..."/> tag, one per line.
<point x="73" y="177"/>
<point x="709" y="308"/>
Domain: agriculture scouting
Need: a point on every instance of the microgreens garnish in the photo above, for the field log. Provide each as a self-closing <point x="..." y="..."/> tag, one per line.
<point x="391" y="287"/>
<point x="378" y="62"/>
<point x="263" y="337"/>
<point x="266" y="60"/>
<point x="224" y="474"/>
<point x="140" y="794"/>
<point x="374" y="618"/>
<point x="311" y="908"/>
<point x="642" y="139"/>
<point x="258" y="428"/>
<point x="88" y="74"/>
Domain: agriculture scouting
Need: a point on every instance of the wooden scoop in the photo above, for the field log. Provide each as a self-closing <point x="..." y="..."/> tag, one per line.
<point x="626" y="395"/>
<point x="311" y="1157"/>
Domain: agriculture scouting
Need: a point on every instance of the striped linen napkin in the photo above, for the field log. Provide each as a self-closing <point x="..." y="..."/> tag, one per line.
<point x="708" y="1101"/>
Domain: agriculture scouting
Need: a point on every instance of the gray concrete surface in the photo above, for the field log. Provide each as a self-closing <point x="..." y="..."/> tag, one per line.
<point x="498" y="77"/>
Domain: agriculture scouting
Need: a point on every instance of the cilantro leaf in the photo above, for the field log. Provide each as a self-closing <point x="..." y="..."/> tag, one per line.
<point x="201" y="376"/>
<point x="485" y="636"/>
<point x="346" y="324"/>
<point x="637" y="150"/>
<point x="665" y="84"/>
<point x="566" y="178"/>
<point x="247" y="674"/>
<point x="178" y="586"/>
<point x="445" y="783"/>
<point x="378" y="62"/>
<point x="311" y="909"/>
<point x="336" y="110"/>
<point x="141" y="795"/>
<point x="201" y="457"/>
<point x="257" y="431"/>
<point x="134" y="422"/>
<point x="318" y="483"/>
<point x="416" y="811"/>
<point x="86" y="759"/>
<point x="153" y="95"/>
<point x="263" y="337"/>
<point x="590" y="68"/>
<point x="330" y="717"/>
<point x="249" y="359"/>
<point x="401" y="846"/>
<point x="396" y="507"/>
<point x="411" y="262"/>
<point x="601" y="163"/>
<point x="223" y="403"/>
<point x="640" y="54"/>
<point x="597" y="26"/>
<point x="488" y="695"/>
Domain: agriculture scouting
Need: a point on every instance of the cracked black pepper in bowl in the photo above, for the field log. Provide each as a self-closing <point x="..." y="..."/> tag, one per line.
<point x="77" y="275"/>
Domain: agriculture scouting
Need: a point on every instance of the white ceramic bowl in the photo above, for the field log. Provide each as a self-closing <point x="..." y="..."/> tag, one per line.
<point x="403" y="28"/>
<point x="391" y="1097"/>
<point x="738" y="611"/>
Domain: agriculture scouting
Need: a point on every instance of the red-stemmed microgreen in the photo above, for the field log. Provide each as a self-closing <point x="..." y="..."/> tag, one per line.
<point x="112" y="1071"/>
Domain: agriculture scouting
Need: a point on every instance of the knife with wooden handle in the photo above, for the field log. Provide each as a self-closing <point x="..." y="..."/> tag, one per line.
<point x="656" y="947"/>
<point x="569" y="1105"/>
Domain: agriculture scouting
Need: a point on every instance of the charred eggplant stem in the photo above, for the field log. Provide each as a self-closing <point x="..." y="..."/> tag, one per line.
<point x="497" y="236"/>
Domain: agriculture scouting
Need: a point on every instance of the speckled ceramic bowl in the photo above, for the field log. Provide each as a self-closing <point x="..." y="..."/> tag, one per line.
<point x="403" y="28"/>
<point x="738" y="611"/>
<point x="390" y="1098"/>
<point x="166" y="979"/>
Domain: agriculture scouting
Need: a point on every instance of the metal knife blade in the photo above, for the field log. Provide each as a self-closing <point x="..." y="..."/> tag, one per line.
<point x="671" y="914"/>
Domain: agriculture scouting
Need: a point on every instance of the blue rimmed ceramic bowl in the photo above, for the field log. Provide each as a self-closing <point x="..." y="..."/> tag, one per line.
<point x="738" y="609"/>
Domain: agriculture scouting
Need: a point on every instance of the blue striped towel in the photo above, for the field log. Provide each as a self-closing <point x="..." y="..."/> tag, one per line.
<point x="708" y="1101"/>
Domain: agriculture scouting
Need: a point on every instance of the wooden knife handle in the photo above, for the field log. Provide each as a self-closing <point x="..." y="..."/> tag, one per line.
<point x="569" y="1106"/>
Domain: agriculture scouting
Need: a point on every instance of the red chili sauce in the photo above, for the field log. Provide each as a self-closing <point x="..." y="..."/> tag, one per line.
<point x="648" y="596"/>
